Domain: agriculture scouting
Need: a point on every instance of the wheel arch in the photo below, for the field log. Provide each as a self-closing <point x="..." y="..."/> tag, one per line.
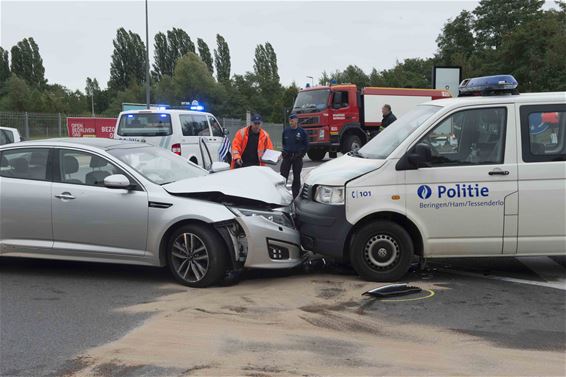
<point x="400" y="219"/>
<point x="172" y="228"/>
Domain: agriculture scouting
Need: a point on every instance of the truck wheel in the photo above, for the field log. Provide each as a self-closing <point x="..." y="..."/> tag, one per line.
<point x="333" y="154"/>
<point x="382" y="251"/>
<point x="352" y="142"/>
<point x="196" y="256"/>
<point x="316" y="154"/>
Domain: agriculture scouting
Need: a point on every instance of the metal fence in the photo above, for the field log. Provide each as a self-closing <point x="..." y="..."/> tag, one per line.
<point x="42" y="126"/>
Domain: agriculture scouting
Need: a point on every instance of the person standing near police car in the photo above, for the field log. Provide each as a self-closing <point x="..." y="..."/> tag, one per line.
<point x="295" y="146"/>
<point x="249" y="144"/>
<point x="388" y="117"/>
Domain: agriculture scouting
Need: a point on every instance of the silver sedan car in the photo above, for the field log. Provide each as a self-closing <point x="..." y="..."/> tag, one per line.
<point x="106" y="200"/>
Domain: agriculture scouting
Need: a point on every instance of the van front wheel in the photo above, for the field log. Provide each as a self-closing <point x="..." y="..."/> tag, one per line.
<point x="381" y="251"/>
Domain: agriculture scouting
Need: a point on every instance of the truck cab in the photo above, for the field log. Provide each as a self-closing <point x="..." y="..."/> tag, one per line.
<point x="478" y="176"/>
<point x="341" y="118"/>
<point x="194" y="135"/>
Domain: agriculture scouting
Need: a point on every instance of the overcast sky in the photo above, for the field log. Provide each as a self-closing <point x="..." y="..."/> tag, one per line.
<point x="75" y="37"/>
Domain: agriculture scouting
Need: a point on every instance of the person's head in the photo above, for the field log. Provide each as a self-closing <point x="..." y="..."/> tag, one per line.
<point x="293" y="120"/>
<point x="256" y="123"/>
<point x="386" y="109"/>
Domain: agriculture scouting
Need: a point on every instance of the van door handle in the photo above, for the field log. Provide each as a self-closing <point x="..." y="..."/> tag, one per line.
<point x="65" y="195"/>
<point x="499" y="172"/>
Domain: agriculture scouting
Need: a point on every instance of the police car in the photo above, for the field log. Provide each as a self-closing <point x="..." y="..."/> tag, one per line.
<point x="191" y="133"/>
<point x="494" y="186"/>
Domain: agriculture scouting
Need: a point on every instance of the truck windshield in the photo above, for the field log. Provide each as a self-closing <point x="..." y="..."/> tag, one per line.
<point x="311" y="100"/>
<point x="145" y="124"/>
<point x="388" y="140"/>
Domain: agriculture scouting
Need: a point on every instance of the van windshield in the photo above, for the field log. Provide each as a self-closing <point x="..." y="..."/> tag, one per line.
<point x="381" y="146"/>
<point x="145" y="124"/>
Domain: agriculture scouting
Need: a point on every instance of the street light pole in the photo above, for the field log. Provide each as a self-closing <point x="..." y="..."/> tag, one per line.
<point x="312" y="80"/>
<point x="147" y="96"/>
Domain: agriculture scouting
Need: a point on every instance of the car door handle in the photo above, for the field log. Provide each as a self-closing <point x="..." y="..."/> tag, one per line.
<point x="65" y="195"/>
<point x="499" y="172"/>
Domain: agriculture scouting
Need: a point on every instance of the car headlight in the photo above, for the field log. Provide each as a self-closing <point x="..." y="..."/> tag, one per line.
<point x="329" y="195"/>
<point x="277" y="217"/>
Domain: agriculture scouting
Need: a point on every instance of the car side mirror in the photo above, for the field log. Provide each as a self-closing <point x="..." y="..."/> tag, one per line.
<point x="226" y="131"/>
<point x="420" y="156"/>
<point x="219" y="166"/>
<point x="117" y="181"/>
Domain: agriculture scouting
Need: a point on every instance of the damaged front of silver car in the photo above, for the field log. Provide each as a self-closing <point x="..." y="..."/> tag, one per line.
<point x="262" y="233"/>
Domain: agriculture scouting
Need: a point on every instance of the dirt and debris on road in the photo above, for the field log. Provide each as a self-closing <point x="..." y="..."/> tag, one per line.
<point x="302" y="325"/>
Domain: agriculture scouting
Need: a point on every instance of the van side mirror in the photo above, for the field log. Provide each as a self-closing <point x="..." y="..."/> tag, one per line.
<point x="420" y="156"/>
<point x="226" y="131"/>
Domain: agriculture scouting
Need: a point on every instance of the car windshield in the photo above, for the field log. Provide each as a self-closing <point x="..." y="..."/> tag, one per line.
<point x="311" y="100"/>
<point x="157" y="165"/>
<point x="388" y="140"/>
<point x="145" y="124"/>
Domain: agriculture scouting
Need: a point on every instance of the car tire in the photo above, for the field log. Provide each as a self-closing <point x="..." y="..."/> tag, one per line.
<point x="381" y="251"/>
<point x="351" y="142"/>
<point x="196" y="256"/>
<point x="316" y="154"/>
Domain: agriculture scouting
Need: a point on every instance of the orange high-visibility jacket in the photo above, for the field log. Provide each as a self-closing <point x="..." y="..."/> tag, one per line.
<point x="241" y="140"/>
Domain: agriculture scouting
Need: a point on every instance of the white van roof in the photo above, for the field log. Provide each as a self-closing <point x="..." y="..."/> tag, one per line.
<point x="547" y="97"/>
<point x="165" y="111"/>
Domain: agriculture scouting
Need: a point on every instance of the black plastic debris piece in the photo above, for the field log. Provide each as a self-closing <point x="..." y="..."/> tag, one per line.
<point x="392" y="290"/>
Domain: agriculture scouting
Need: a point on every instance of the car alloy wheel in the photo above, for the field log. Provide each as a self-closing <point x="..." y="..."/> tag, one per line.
<point x="190" y="257"/>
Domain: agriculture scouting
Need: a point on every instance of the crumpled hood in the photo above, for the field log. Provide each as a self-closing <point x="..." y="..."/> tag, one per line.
<point x="254" y="183"/>
<point x="340" y="170"/>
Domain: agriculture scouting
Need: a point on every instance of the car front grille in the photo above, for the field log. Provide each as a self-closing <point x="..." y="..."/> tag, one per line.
<point x="309" y="121"/>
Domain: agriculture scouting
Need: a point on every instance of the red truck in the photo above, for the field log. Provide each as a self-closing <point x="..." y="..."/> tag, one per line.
<point x="339" y="118"/>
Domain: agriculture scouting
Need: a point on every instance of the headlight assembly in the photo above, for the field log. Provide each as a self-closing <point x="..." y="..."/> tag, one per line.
<point x="333" y="195"/>
<point x="277" y="217"/>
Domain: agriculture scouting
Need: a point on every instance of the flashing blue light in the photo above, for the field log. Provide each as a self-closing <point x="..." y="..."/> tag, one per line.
<point x="197" y="108"/>
<point x="163" y="115"/>
<point x="488" y="85"/>
<point x="130" y="115"/>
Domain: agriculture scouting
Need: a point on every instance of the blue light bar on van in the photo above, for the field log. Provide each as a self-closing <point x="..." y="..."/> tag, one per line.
<point x="488" y="85"/>
<point x="196" y="108"/>
<point x="194" y="105"/>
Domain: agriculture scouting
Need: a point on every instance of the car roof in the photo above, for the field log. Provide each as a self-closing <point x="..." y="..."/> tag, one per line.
<point x="548" y="97"/>
<point x="9" y="128"/>
<point x="92" y="142"/>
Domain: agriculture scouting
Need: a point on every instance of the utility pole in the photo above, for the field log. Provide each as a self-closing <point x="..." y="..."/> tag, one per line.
<point x="92" y="101"/>
<point x="147" y="95"/>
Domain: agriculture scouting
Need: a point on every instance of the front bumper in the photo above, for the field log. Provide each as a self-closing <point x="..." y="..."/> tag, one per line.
<point x="324" y="228"/>
<point x="270" y="245"/>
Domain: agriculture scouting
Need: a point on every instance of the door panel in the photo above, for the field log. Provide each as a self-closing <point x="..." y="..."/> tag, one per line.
<point x="25" y="201"/>
<point x="215" y="141"/>
<point x="193" y="127"/>
<point x="90" y="218"/>
<point x="542" y="184"/>
<point x="459" y="202"/>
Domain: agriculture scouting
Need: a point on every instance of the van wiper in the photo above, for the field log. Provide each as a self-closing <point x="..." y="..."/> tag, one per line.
<point x="355" y="154"/>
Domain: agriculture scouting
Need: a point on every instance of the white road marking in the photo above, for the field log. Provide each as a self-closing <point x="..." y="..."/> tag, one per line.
<point x="544" y="267"/>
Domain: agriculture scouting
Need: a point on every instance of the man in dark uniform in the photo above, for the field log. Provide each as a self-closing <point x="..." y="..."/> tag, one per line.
<point x="295" y="145"/>
<point x="388" y="117"/>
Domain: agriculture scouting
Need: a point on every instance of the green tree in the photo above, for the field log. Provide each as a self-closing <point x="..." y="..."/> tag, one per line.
<point x="204" y="53"/>
<point x="27" y="62"/>
<point x="4" y="65"/>
<point x="92" y="91"/>
<point x="495" y="18"/>
<point x="128" y="60"/>
<point x="222" y="60"/>
<point x="168" y="49"/>
<point x="456" y="38"/>
<point x="17" y="96"/>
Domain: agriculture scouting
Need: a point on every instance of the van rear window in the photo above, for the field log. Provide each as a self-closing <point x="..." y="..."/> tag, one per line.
<point x="151" y="124"/>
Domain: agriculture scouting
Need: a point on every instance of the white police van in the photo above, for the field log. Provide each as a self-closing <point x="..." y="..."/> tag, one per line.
<point x="9" y="135"/>
<point x="479" y="175"/>
<point x="192" y="134"/>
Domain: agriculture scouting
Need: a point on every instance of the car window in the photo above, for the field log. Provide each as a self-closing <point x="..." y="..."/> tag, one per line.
<point x="29" y="163"/>
<point x="145" y="124"/>
<point x="543" y="133"/>
<point x="469" y="137"/>
<point x="216" y="127"/>
<point x="194" y="125"/>
<point x="82" y="168"/>
<point x="6" y="137"/>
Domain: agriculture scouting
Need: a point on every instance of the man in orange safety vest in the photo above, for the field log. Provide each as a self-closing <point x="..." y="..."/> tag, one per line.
<point x="249" y="144"/>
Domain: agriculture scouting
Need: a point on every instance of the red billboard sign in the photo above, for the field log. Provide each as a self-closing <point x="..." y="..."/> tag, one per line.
<point x="91" y="127"/>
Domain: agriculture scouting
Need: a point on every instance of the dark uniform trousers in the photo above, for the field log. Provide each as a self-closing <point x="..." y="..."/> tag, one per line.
<point x="295" y="161"/>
